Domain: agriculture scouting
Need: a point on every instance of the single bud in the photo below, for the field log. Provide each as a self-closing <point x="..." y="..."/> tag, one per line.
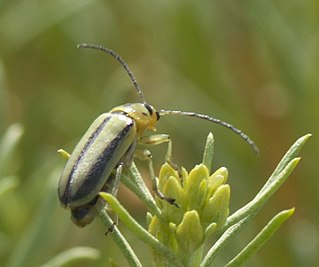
<point x="218" y="178"/>
<point x="165" y="172"/>
<point x="189" y="233"/>
<point x="196" y="187"/>
<point x="217" y="207"/>
<point x="173" y="189"/>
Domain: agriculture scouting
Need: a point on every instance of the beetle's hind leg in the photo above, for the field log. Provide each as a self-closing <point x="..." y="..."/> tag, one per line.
<point x="111" y="186"/>
<point x="116" y="184"/>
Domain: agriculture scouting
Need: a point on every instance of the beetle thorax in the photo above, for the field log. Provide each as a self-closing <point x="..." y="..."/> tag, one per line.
<point x="143" y="114"/>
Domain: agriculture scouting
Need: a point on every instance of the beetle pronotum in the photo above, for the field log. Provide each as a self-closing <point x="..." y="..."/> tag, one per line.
<point x="109" y="145"/>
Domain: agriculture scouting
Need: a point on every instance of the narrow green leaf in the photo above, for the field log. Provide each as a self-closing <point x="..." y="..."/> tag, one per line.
<point x="262" y="197"/>
<point x="209" y="152"/>
<point x="291" y="153"/>
<point x="240" y="218"/>
<point x="223" y="241"/>
<point x="119" y="239"/>
<point x="261" y="238"/>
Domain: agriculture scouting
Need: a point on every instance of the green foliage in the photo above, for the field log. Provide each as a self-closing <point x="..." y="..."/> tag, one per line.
<point x="253" y="63"/>
<point x="181" y="232"/>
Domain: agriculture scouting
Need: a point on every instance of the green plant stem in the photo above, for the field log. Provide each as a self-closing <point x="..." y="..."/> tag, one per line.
<point x="119" y="239"/>
<point x="136" y="184"/>
<point x="223" y="241"/>
<point x="195" y="258"/>
<point x="139" y="231"/>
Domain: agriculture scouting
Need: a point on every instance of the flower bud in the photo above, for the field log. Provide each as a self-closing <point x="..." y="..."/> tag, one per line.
<point x="196" y="187"/>
<point x="218" y="178"/>
<point x="189" y="233"/>
<point x="216" y="208"/>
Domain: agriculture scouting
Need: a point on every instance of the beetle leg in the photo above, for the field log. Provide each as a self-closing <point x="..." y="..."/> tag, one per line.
<point x="144" y="154"/>
<point x="116" y="183"/>
<point x="158" y="139"/>
<point x="126" y="160"/>
<point x="111" y="228"/>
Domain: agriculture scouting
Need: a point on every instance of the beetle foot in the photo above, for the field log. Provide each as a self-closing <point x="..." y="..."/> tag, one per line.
<point x="111" y="228"/>
<point x="170" y="200"/>
<point x="177" y="168"/>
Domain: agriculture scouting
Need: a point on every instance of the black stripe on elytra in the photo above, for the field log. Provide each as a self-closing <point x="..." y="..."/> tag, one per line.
<point x="90" y="140"/>
<point x="97" y="170"/>
<point x="87" y="212"/>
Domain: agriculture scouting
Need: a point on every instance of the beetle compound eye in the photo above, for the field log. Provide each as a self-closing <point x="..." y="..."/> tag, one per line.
<point x="149" y="108"/>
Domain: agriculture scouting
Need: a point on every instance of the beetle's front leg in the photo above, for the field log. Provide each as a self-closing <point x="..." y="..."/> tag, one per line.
<point x="158" y="139"/>
<point x="145" y="155"/>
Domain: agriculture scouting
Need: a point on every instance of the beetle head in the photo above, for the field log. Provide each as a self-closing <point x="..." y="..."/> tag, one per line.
<point x="143" y="114"/>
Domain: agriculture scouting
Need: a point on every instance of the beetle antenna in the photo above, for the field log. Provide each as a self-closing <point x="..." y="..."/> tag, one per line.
<point x="121" y="61"/>
<point x="214" y="120"/>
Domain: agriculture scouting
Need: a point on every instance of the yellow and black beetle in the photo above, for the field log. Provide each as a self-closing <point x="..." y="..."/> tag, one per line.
<point x="109" y="145"/>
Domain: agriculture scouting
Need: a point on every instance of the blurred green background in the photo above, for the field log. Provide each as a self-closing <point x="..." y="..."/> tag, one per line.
<point x="252" y="63"/>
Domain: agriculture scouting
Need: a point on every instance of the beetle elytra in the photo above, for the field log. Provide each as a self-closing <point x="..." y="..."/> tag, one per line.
<point x="109" y="145"/>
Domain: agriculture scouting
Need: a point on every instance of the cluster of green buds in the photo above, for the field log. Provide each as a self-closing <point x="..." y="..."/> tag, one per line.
<point x="203" y="207"/>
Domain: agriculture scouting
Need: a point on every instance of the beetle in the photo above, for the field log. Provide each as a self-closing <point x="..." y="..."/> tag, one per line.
<point x="108" y="147"/>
